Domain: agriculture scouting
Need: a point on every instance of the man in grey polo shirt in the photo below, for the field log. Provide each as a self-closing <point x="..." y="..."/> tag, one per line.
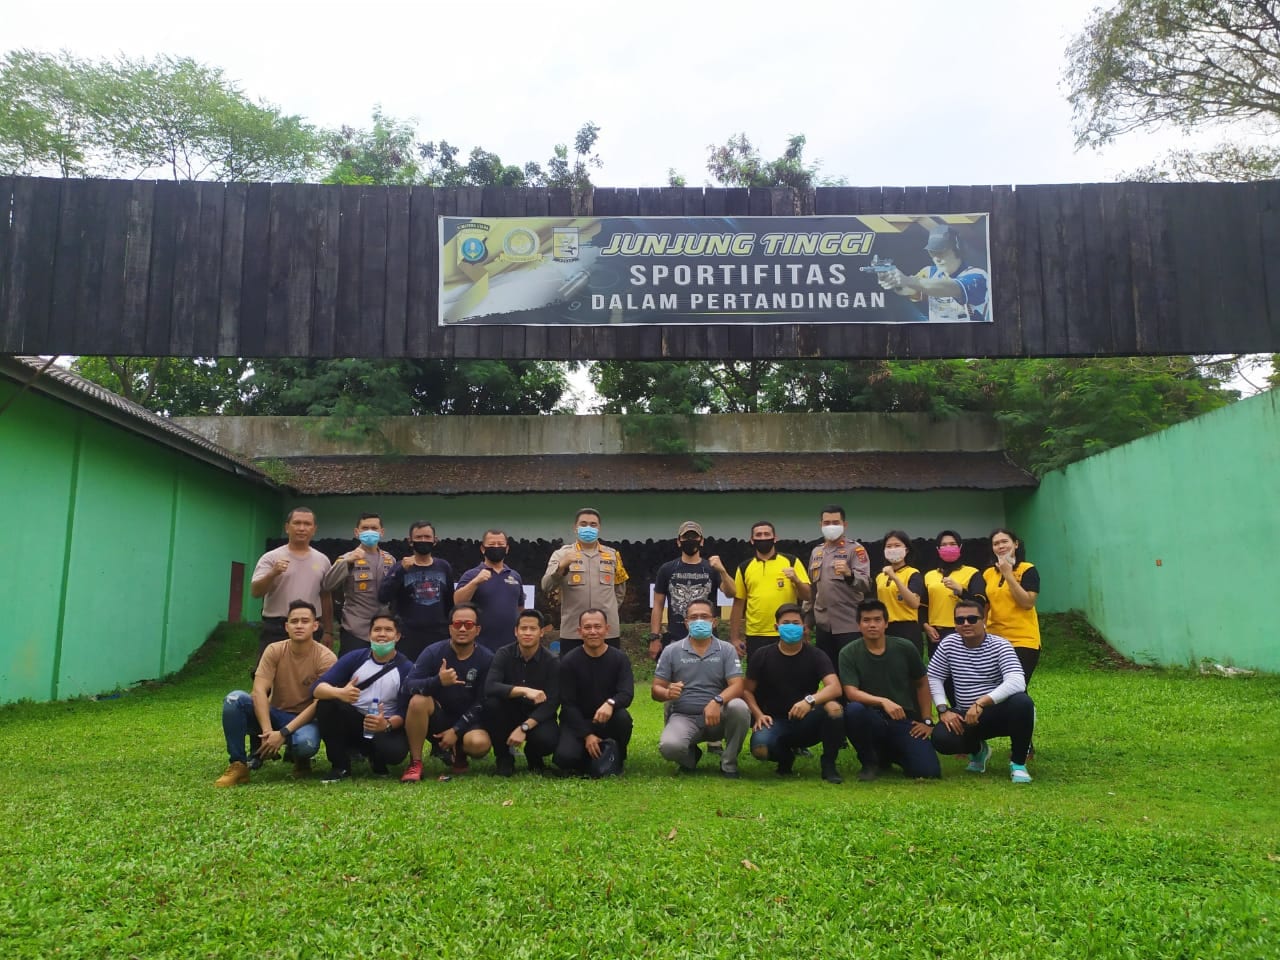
<point x="700" y="681"/>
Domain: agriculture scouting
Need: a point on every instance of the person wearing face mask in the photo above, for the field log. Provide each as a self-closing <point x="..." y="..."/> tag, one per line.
<point x="699" y="680"/>
<point x="359" y="575"/>
<point x="1012" y="585"/>
<point x="420" y="592"/>
<point x="496" y="589"/>
<point x="841" y="574"/>
<point x="900" y="588"/>
<point x="761" y="584"/>
<point x="358" y="706"/>
<point x="793" y="694"/>
<point x="950" y="581"/>
<point x="587" y="575"/>
<point x="681" y="581"/>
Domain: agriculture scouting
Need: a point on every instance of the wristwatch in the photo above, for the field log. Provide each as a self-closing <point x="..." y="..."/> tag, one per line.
<point x="928" y="721"/>
<point x="653" y="636"/>
<point x="810" y="700"/>
<point x="612" y="702"/>
<point x="718" y="699"/>
<point x="286" y="733"/>
<point x="524" y="727"/>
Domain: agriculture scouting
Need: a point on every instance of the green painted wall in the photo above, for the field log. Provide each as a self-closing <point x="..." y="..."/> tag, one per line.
<point x="655" y="516"/>
<point x="1167" y="544"/>
<point x="141" y="537"/>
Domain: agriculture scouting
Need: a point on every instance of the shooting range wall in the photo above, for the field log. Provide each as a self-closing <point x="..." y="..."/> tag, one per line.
<point x="120" y="551"/>
<point x="307" y="270"/>
<point x="1167" y="544"/>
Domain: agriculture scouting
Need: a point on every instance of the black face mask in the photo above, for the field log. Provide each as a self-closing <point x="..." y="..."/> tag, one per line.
<point x="763" y="546"/>
<point x="690" y="547"/>
<point x="423" y="548"/>
<point x="495" y="554"/>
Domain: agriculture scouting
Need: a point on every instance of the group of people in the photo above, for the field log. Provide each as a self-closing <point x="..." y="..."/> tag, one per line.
<point x="429" y="667"/>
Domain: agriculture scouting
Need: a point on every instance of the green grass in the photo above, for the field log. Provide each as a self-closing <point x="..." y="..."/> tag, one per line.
<point x="1152" y="830"/>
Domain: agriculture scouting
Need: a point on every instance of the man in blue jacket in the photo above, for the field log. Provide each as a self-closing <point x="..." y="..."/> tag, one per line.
<point x="358" y="702"/>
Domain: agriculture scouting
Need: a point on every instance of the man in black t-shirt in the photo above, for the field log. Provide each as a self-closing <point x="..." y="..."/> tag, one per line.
<point x="596" y="687"/>
<point x="681" y="581"/>
<point x="794" y="696"/>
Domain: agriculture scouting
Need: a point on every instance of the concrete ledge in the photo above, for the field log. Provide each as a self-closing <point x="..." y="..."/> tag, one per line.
<point x="507" y="436"/>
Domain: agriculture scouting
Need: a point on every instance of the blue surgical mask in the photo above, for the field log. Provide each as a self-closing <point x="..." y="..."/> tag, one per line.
<point x="588" y="534"/>
<point x="791" y="632"/>
<point x="370" y="538"/>
<point x="700" y="629"/>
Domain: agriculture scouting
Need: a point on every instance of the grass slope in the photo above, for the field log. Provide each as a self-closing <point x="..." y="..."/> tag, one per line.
<point x="1151" y="831"/>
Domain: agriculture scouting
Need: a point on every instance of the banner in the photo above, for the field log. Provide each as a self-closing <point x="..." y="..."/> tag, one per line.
<point x="878" y="268"/>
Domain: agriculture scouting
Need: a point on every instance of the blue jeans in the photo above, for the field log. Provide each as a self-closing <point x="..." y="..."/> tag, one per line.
<point x="879" y="740"/>
<point x="786" y="735"/>
<point x="240" y="722"/>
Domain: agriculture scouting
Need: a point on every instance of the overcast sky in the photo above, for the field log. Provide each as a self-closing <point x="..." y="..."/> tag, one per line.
<point x="902" y="93"/>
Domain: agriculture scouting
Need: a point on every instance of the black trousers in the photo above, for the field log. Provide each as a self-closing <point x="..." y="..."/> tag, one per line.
<point x="348" y="641"/>
<point x="1015" y="718"/>
<point x="503" y="716"/>
<point x="571" y="750"/>
<point x="908" y="630"/>
<point x="1029" y="659"/>
<point x="832" y="643"/>
<point x="342" y="730"/>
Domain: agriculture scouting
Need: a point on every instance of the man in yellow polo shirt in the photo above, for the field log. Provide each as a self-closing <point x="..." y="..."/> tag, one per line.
<point x="763" y="583"/>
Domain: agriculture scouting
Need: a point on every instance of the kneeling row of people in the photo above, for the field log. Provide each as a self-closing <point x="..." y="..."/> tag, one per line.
<point x="462" y="700"/>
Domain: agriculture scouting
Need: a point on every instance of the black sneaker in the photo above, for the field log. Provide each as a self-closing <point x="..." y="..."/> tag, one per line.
<point x="378" y="768"/>
<point x="830" y="774"/>
<point x="506" y="765"/>
<point x="868" y="773"/>
<point x="336" y="775"/>
<point x="786" y="766"/>
<point x="536" y="764"/>
<point x="254" y="762"/>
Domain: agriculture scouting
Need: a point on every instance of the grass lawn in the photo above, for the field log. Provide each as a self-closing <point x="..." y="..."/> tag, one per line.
<point x="1152" y="830"/>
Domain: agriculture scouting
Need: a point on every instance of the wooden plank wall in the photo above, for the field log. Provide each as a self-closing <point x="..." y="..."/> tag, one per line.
<point x="307" y="270"/>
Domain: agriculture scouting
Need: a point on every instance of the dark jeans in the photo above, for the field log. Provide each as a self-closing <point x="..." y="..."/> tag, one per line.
<point x="757" y="642"/>
<point x="1015" y="718"/>
<point x="571" y="751"/>
<point x="348" y="641"/>
<point x="787" y="735"/>
<point x="832" y="643"/>
<point x="879" y="740"/>
<point x="240" y="722"/>
<point x="570" y="643"/>
<point x="501" y="716"/>
<point x="342" y="729"/>
<point x="908" y="630"/>
<point x="1029" y="659"/>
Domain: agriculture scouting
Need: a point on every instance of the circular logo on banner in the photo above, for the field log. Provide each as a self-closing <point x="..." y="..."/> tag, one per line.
<point x="473" y="250"/>
<point x="521" y="244"/>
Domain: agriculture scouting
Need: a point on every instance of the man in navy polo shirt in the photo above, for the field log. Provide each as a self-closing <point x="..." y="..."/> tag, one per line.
<point x="496" y="589"/>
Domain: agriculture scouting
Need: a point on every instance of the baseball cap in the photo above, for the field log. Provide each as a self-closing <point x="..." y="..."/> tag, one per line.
<point x="942" y="238"/>
<point x="687" y="527"/>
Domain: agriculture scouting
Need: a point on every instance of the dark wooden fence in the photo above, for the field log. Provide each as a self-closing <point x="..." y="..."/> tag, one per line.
<point x="268" y="270"/>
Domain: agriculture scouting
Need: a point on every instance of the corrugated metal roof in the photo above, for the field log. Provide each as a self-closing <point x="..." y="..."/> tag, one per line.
<point x="62" y="384"/>
<point x="637" y="472"/>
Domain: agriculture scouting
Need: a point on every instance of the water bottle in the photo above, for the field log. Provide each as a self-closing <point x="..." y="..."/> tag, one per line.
<point x="368" y="734"/>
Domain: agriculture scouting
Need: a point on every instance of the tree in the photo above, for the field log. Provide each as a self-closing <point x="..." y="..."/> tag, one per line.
<point x="169" y="116"/>
<point x="171" y="385"/>
<point x="738" y="163"/>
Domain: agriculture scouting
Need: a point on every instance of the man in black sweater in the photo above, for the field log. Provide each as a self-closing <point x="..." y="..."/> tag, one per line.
<point x="522" y="692"/>
<point x="596" y="687"/>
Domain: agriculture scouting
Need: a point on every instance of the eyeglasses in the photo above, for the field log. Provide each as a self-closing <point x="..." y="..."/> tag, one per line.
<point x="973" y="619"/>
<point x="462" y="624"/>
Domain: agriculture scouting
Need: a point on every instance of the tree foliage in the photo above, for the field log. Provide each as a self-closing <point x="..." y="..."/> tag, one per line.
<point x="738" y="163"/>
<point x="1142" y="64"/>
<point x="173" y="386"/>
<point x="169" y="116"/>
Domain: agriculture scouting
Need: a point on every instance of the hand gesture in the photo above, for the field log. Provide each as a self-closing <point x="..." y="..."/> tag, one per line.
<point x="1004" y="563"/>
<point x="790" y="574"/>
<point x="888" y="570"/>
<point x="351" y="557"/>
<point x="483" y="576"/>
<point x="448" y="740"/>
<point x="799" y="710"/>
<point x="921" y="731"/>
<point x="675" y="689"/>
<point x="894" y="711"/>
<point x="564" y="564"/>
<point x="515" y="738"/>
<point x="269" y="744"/>
<point x="952" y="721"/>
<point x="764" y="723"/>
<point x="841" y="567"/>
<point x="407" y="562"/>
<point x="350" y="693"/>
<point x="604" y="714"/>
<point x="279" y="567"/>
<point x="448" y="676"/>
<point x="716" y="565"/>
<point x="950" y="584"/>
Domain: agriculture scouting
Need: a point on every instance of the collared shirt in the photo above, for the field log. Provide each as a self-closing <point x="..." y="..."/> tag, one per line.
<point x="835" y="598"/>
<point x="360" y="581"/>
<point x="595" y="578"/>
<point x="500" y="599"/>
<point x="704" y="675"/>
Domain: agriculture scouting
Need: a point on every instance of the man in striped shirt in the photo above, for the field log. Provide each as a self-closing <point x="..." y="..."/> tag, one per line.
<point x="990" y="694"/>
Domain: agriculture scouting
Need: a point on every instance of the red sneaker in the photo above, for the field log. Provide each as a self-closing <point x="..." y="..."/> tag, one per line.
<point x="412" y="773"/>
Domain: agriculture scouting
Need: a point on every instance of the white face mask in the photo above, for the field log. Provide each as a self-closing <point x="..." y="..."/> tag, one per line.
<point x="895" y="554"/>
<point x="832" y="531"/>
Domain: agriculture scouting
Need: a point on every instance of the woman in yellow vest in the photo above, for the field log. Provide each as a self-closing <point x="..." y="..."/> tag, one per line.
<point x="945" y="584"/>
<point x="1011" y="586"/>
<point x="901" y="588"/>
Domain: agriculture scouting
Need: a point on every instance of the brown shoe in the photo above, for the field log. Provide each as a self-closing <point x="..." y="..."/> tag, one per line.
<point x="301" y="769"/>
<point x="237" y="773"/>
